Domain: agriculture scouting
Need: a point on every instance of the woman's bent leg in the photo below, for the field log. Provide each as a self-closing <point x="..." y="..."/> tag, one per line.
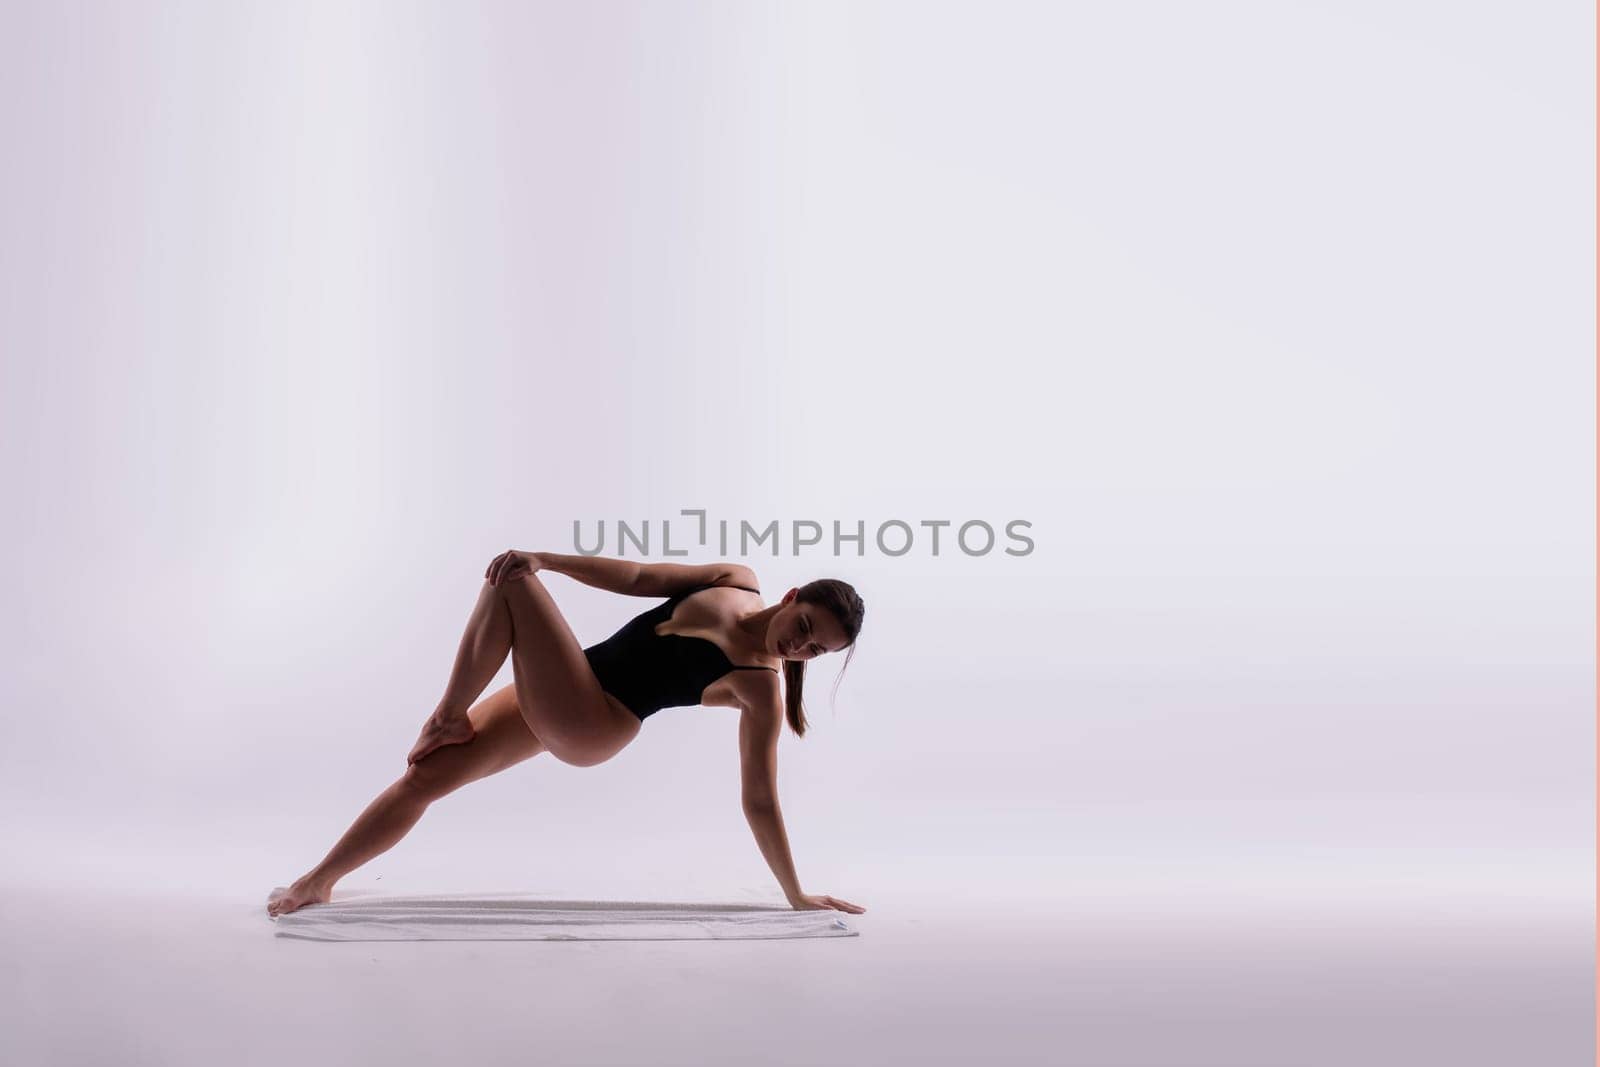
<point x="560" y="697"/>
<point x="483" y="649"/>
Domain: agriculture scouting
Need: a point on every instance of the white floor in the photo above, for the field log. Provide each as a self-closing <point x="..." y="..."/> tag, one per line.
<point x="195" y="977"/>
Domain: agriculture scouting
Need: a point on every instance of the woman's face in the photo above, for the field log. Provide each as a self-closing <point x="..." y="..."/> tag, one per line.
<point x="804" y="631"/>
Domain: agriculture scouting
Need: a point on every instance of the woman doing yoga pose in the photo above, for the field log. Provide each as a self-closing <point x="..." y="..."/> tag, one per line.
<point x="710" y="642"/>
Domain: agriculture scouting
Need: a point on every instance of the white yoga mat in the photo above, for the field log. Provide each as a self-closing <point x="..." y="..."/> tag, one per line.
<point x="528" y="917"/>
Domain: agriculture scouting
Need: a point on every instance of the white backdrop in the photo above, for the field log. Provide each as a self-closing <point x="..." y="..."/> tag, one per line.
<point x="1275" y="321"/>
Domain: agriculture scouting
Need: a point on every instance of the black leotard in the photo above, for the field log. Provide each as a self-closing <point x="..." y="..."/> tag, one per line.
<point x="649" y="671"/>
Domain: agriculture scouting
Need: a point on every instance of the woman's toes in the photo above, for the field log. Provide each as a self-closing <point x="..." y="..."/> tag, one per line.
<point x="283" y="900"/>
<point x="275" y="896"/>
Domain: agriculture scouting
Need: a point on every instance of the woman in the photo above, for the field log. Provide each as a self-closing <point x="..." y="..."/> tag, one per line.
<point x="710" y="642"/>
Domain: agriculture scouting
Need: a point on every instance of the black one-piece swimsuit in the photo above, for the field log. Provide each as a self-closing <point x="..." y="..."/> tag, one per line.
<point x="648" y="671"/>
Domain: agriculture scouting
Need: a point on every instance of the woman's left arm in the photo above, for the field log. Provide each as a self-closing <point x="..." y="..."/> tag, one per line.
<point x="760" y="721"/>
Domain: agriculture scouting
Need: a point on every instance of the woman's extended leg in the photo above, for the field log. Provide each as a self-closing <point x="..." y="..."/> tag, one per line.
<point x="502" y="740"/>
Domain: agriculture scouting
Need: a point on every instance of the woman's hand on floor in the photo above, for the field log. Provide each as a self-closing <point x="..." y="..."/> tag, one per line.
<point x="821" y="901"/>
<point x="438" y="732"/>
<point x="512" y="564"/>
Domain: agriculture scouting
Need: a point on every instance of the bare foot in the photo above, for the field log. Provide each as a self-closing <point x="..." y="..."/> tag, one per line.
<point x="284" y="900"/>
<point x="439" y="731"/>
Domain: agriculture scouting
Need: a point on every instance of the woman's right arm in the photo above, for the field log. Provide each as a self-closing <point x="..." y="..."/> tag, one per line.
<point x="612" y="575"/>
<point x="644" y="579"/>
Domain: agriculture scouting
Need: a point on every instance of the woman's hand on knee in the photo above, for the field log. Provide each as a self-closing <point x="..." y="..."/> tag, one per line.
<point x="512" y="564"/>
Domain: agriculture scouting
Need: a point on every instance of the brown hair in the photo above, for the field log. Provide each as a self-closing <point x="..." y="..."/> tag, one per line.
<point x="843" y="603"/>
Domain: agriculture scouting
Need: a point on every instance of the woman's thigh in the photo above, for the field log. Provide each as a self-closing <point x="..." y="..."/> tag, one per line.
<point x="502" y="739"/>
<point x="561" y="699"/>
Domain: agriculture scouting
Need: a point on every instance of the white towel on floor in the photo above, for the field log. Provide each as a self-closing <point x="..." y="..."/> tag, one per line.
<point x="527" y="917"/>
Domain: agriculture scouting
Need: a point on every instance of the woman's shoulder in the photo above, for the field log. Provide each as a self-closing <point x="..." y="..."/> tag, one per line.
<point x="743" y="575"/>
<point x="681" y="579"/>
<point x="735" y="576"/>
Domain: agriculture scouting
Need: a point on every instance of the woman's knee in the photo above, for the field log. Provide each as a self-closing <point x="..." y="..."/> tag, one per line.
<point x="430" y="778"/>
<point x="500" y="744"/>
